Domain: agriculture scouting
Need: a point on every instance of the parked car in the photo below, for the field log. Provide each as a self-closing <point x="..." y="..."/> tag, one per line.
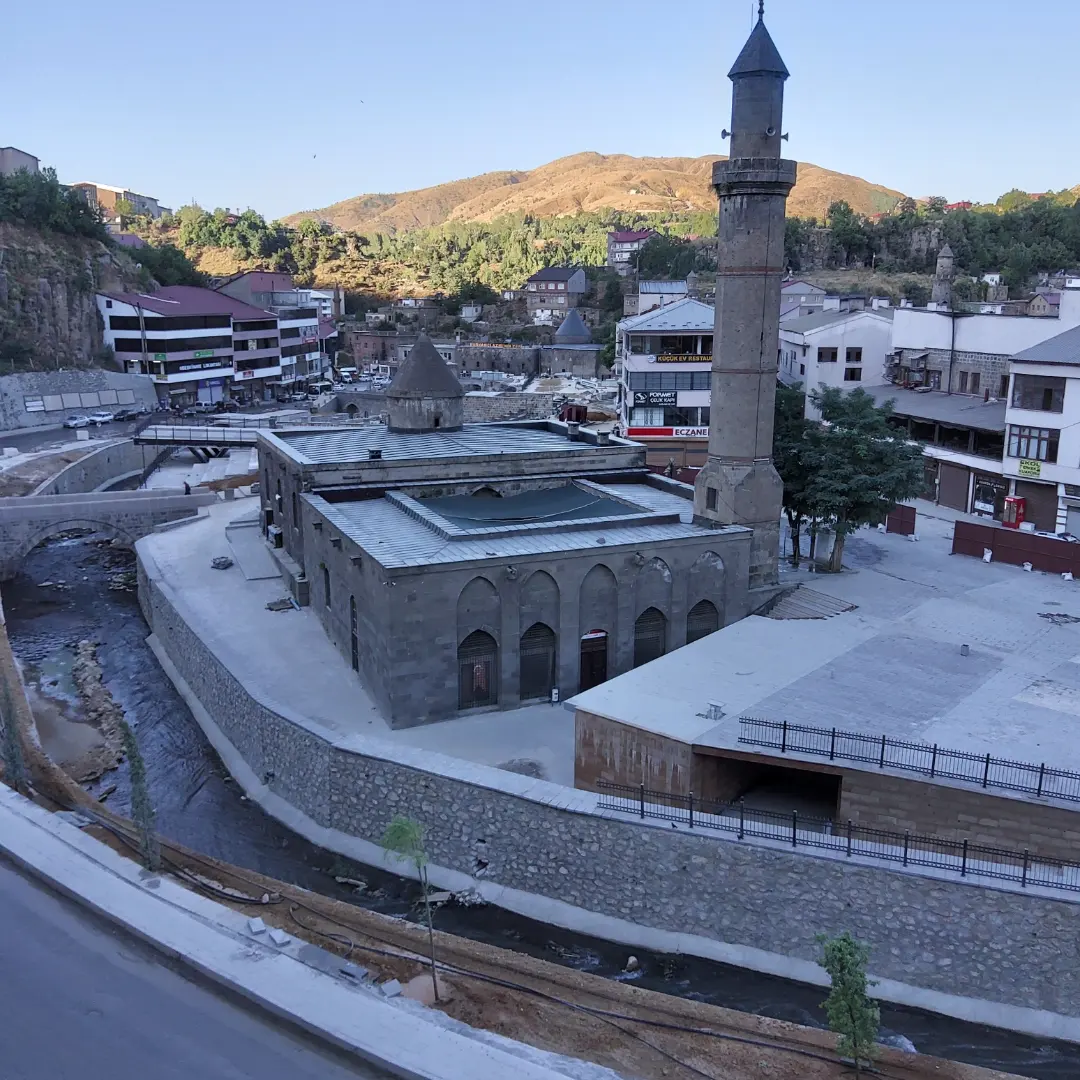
<point x="298" y="397"/>
<point x="125" y="414"/>
<point x="227" y="406"/>
<point x="98" y="418"/>
<point x="77" y="421"/>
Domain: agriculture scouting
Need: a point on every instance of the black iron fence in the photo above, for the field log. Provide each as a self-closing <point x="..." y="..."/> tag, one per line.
<point x="931" y="760"/>
<point x="959" y="857"/>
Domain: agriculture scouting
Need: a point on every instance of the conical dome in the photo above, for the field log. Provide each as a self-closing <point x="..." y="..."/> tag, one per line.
<point x="425" y="394"/>
<point x="759" y="56"/>
<point x="573" y="330"/>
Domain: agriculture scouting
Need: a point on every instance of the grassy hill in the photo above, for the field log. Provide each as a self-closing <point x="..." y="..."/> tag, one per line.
<point x="587" y="182"/>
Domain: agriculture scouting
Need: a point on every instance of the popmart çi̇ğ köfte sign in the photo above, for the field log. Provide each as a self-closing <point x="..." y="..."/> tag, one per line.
<point x="667" y="432"/>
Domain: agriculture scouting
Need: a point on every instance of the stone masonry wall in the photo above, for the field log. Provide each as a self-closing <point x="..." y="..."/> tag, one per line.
<point x="945" y="935"/>
<point x="487" y="408"/>
<point x="99" y="467"/>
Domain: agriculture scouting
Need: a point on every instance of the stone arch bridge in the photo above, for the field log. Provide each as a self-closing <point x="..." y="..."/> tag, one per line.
<point x="125" y="515"/>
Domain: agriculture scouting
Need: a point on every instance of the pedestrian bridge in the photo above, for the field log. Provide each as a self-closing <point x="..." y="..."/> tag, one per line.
<point x="123" y="515"/>
<point x="201" y="435"/>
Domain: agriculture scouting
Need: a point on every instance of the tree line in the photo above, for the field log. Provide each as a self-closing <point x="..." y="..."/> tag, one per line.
<point x="40" y="201"/>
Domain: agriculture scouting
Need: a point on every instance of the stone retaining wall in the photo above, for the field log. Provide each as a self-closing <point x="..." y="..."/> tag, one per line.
<point x="935" y="933"/>
<point x="99" y="468"/>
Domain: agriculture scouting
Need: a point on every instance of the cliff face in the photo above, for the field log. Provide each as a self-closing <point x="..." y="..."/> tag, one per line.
<point x="48" y="315"/>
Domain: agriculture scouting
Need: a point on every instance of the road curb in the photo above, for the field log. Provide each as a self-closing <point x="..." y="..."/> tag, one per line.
<point x="213" y="942"/>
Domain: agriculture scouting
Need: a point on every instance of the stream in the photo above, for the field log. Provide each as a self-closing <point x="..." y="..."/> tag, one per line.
<point x="63" y="595"/>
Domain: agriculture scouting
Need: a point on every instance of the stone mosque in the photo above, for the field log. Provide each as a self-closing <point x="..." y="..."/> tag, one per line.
<point x="461" y="567"/>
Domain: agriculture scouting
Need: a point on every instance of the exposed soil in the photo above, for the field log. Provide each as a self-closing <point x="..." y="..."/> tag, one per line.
<point x="23" y="478"/>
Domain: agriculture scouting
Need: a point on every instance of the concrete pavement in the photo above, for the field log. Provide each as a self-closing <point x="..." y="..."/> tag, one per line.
<point x="292" y="980"/>
<point x="82" y="1000"/>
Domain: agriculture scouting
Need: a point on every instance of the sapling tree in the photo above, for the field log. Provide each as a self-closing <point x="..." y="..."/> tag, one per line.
<point x="14" y="765"/>
<point x="142" y="809"/>
<point x="405" y="838"/>
<point x="852" y="1015"/>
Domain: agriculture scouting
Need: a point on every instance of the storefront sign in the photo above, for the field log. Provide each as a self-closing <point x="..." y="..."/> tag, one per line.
<point x="667" y="432"/>
<point x="1030" y="468"/>
<point x="683" y="358"/>
<point x="206" y="365"/>
<point x="692" y="432"/>
<point x="655" y="397"/>
<point x="203" y="352"/>
<point x="245" y="374"/>
<point x="160" y="356"/>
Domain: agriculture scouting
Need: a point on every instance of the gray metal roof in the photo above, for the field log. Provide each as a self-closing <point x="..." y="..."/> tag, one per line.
<point x="759" y="55"/>
<point x="424" y="373"/>
<point x="817" y="320"/>
<point x="662" y="287"/>
<point x="958" y="409"/>
<point x="339" y="446"/>
<point x="1063" y="349"/>
<point x="573" y="330"/>
<point x="685" y="314"/>
<point x="398" y="538"/>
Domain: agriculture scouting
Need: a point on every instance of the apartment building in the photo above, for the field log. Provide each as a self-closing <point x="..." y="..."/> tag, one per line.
<point x="105" y="197"/>
<point x="663" y="360"/>
<point x="197" y="345"/>
<point x="843" y="349"/>
<point x="13" y="160"/>
<point x="551" y="292"/>
<point x="623" y="247"/>
<point x="654" y="294"/>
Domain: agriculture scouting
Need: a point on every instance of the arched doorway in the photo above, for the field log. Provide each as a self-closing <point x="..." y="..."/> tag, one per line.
<point x="594" y="646"/>
<point x="650" y="636"/>
<point x="537" y="656"/>
<point x="703" y="620"/>
<point x="353" y="634"/>
<point x="478" y="671"/>
<point x="351" y="410"/>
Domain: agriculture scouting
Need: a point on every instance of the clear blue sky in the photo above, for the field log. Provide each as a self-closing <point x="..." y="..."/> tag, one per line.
<point x="287" y="106"/>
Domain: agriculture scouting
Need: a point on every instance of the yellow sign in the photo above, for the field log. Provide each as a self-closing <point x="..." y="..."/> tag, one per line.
<point x="1030" y="468"/>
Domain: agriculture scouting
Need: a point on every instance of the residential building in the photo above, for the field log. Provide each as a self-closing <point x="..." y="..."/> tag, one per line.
<point x="551" y="292"/>
<point x="623" y="247"/>
<point x="105" y="197"/>
<point x="1044" y="304"/>
<point x="470" y="313"/>
<point x="298" y="321"/>
<point x="663" y="360"/>
<point x="371" y="349"/>
<point x="329" y="302"/>
<point x="653" y="294"/>
<point x="403" y="346"/>
<point x="195" y="344"/>
<point x="13" y="161"/>
<point x="1042" y="435"/>
<point x="844" y="349"/>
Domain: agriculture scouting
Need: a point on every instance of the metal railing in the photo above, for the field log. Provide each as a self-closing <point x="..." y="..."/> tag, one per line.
<point x="926" y="759"/>
<point x="961" y="857"/>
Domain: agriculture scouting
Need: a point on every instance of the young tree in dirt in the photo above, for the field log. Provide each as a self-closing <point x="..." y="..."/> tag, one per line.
<point x="14" y="765"/>
<point x="142" y="809"/>
<point x="405" y="838"/>
<point x="791" y="432"/>
<point x="860" y="466"/>
<point x="852" y="1015"/>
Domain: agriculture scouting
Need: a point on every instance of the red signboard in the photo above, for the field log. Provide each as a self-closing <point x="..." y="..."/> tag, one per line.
<point x="667" y="432"/>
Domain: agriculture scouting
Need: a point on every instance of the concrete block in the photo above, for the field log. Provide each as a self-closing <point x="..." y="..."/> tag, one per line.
<point x="279" y="938"/>
<point x="392" y="988"/>
<point x="257" y="926"/>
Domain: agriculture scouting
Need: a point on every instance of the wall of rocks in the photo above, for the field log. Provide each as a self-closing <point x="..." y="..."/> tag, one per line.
<point x="947" y="935"/>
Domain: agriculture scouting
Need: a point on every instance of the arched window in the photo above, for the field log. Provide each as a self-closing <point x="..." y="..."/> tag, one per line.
<point x="594" y="649"/>
<point x="537" y="652"/>
<point x="326" y="585"/>
<point x="703" y="620"/>
<point x="650" y="636"/>
<point x="478" y="671"/>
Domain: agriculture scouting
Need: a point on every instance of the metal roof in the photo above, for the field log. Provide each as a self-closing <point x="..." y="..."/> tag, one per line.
<point x="685" y="314"/>
<point x="759" y="56"/>
<point x="387" y="531"/>
<point x="1063" y="349"/>
<point x="663" y="287"/>
<point x="424" y="374"/>
<point x="340" y="446"/>
<point x="573" y="330"/>
<point x="959" y="410"/>
<point x="817" y="320"/>
<point x="554" y="273"/>
<point x="191" y="300"/>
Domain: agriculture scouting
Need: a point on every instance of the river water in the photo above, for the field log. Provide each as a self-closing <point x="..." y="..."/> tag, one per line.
<point x="63" y="595"/>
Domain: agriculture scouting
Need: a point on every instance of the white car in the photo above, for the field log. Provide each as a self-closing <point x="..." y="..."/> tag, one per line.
<point x="97" y="418"/>
<point x="77" y="421"/>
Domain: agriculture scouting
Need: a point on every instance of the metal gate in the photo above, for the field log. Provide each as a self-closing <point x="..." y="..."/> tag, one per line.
<point x="1041" y="504"/>
<point x="650" y="636"/>
<point x="703" y="620"/>
<point x="953" y="486"/>
<point x="537" y="653"/>
<point x="477" y="671"/>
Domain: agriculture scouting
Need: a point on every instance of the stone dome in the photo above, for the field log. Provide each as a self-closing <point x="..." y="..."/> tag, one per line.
<point x="425" y="394"/>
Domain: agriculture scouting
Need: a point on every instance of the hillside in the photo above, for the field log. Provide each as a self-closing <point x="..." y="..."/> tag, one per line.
<point x="587" y="182"/>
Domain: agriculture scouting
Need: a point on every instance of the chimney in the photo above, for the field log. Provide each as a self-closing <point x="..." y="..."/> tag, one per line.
<point x="572" y="429"/>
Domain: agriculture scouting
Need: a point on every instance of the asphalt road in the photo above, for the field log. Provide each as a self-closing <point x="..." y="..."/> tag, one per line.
<point x="35" y="439"/>
<point x="81" y="1001"/>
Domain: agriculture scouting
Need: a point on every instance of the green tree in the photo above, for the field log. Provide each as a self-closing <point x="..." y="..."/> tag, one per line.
<point x="852" y="1015"/>
<point x="860" y="466"/>
<point x="124" y="209"/>
<point x="405" y="838"/>
<point x="142" y="808"/>
<point x="791" y="435"/>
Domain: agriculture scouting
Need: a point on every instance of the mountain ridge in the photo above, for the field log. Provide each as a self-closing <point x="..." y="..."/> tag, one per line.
<point x="582" y="183"/>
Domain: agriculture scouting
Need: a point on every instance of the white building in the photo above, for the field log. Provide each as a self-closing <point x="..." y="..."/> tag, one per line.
<point x="844" y="349"/>
<point x="663" y="360"/>
<point x="330" y="303"/>
<point x="13" y="160"/>
<point x="1042" y="434"/>
<point x="654" y="294"/>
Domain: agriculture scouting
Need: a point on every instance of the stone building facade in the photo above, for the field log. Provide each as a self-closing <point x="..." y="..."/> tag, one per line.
<point x="477" y="566"/>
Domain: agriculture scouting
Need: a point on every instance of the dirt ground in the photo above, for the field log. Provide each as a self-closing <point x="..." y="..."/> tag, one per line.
<point x="23" y="478"/>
